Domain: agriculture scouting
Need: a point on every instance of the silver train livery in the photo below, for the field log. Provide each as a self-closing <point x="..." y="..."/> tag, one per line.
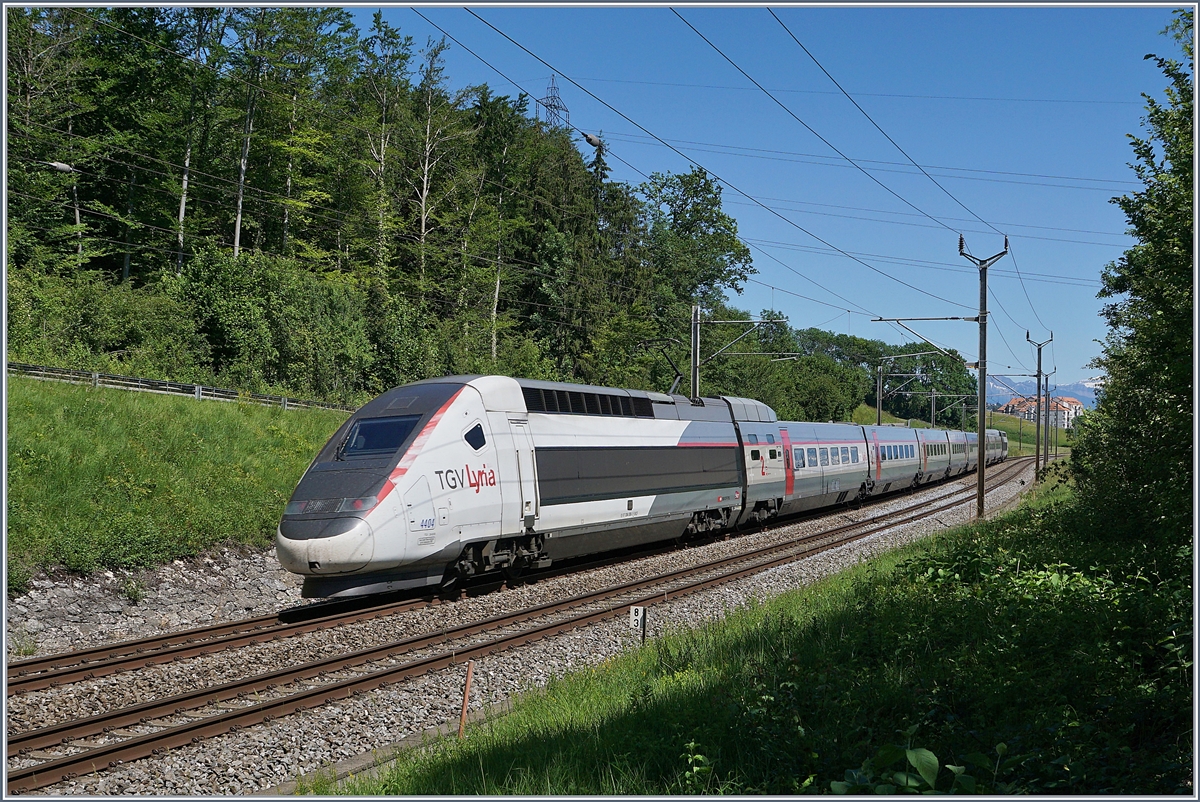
<point x="447" y="478"/>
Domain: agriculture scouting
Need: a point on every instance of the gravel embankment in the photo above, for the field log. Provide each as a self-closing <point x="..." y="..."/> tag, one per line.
<point x="264" y="756"/>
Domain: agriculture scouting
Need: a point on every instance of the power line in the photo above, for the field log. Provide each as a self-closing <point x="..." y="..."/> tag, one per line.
<point x="616" y="156"/>
<point x="749" y="244"/>
<point x="925" y="225"/>
<point x="714" y="175"/>
<point x="877" y="126"/>
<point x="874" y="94"/>
<point x="634" y="138"/>
<point x="948" y="267"/>
<point x="810" y="129"/>
<point x="914" y="163"/>
<point x="510" y="262"/>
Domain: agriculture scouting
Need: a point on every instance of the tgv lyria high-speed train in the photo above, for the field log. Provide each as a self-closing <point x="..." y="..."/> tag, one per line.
<point x="446" y="478"/>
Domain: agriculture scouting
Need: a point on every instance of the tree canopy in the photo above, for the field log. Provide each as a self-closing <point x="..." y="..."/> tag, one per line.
<point x="1134" y="452"/>
<point x="272" y="199"/>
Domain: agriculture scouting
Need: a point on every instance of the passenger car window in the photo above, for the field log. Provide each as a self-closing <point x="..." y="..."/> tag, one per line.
<point x="770" y="438"/>
<point x="812" y="458"/>
<point x="773" y="454"/>
<point x="752" y="439"/>
<point x="854" y="453"/>
<point x="799" y="457"/>
<point x="833" y="453"/>
<point x="846" y="454"/>
<point x="475" y="438"/>
<point x="824" y="456"/>
<point x="755" y="454"/>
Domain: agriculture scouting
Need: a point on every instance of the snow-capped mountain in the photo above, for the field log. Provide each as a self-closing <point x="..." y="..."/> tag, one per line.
<point x="1085" y="390"/>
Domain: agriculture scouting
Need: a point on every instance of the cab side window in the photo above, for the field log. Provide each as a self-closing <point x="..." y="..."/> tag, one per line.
<point x="475" y="438"/>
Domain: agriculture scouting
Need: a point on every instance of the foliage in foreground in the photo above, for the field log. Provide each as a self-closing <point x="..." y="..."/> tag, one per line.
<point x="1038" y="654"/>
<point x="101" y="478"/>
<point x="1134" y="454"/>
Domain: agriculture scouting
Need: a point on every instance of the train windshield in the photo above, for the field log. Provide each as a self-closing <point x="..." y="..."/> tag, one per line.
<point x="377" y="437"/>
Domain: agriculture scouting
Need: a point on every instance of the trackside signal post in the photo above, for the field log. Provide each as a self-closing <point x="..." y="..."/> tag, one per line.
<point x="983" y="265"/>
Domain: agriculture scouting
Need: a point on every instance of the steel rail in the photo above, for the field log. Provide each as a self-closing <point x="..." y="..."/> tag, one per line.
<point x="111" y="755"/>
<point x="167" y="653"/>
<point x="84" y="664"/>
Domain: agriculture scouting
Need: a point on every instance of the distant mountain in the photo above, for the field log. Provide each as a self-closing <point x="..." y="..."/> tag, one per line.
<point x="1085" y="390"/>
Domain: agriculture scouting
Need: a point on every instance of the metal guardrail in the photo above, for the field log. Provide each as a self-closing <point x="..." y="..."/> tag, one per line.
<point x="197" y="391"/>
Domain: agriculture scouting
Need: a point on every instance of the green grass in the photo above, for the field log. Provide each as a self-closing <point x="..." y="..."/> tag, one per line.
<point x="1021" y="434"/>
<point x="865" y="415"/>
<point x="1033" y="654"/>
<point x="103" y="478"/>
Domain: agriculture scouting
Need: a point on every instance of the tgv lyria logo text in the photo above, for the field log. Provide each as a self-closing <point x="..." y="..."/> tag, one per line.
<point x="452" y="479"/>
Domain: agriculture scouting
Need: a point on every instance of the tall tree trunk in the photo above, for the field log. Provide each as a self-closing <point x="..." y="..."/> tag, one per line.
<point x="75" y="199"/>
<point x="499" y="245"/>
<point x="247" y="129"/>
<point x="287" y="205"/>
<point x="128" y="228"/>
<point x="248" y="126"/>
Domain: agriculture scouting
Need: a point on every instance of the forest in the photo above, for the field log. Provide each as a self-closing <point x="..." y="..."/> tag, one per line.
<point x="271" y="199"/>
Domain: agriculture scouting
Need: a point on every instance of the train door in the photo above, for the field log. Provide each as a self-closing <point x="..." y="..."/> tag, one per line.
<point x="420" y="520"/>
<point x="527" y="469"/>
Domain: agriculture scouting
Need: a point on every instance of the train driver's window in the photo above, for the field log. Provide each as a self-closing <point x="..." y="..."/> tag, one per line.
<point x="834" y="455"/>
<point x="845" y="454"/>
<point x="475" y="438"/>
<point x="854" y="453"/>
<point x="812" y="458"/>
<point x="824" y="456"/>
<point x="799" y="457"/>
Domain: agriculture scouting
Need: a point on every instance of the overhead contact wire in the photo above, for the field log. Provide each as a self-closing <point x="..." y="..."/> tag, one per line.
<point x="693" y="161"/>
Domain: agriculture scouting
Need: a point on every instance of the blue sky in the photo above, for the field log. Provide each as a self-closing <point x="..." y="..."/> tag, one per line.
<point x="1021" y="114"/>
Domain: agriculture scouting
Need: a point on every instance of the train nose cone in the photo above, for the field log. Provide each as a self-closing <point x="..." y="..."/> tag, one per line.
<point x="325" y="546"/>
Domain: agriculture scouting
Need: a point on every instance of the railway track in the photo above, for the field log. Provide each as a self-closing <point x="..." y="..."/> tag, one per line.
<point x="51" y="671"/>
<point x="131" y="733"/>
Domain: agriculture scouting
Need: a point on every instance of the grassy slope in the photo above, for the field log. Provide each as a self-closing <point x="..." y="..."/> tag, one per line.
<point x="1035" y="655"/>
<point x="110" y="478"/>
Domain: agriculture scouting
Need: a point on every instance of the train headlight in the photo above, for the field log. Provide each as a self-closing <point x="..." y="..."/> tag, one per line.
<point x="358" y="504"/>
<point x="328" y="505"/>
